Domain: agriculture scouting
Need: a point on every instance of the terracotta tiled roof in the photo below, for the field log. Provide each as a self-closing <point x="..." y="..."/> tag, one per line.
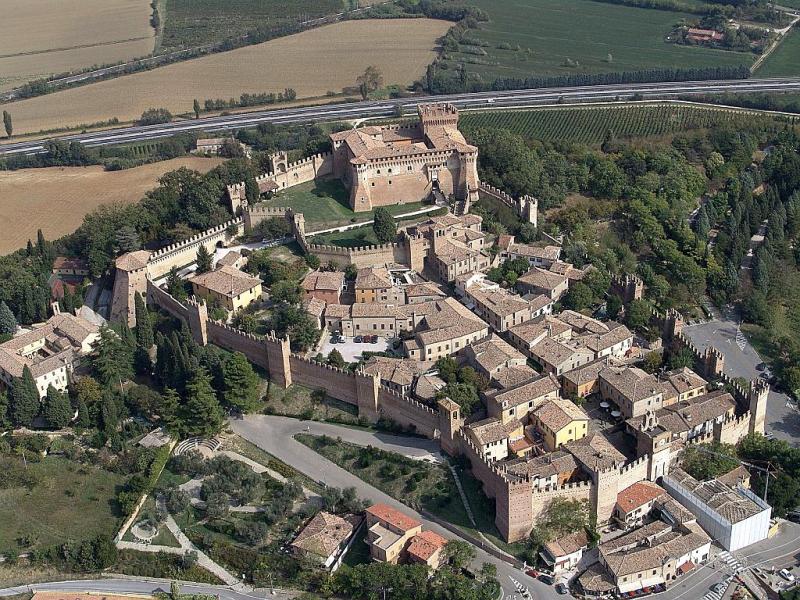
<point x="425" y="544"/>
<point x="373" y="278"/>
<point x="493" y="430"/>
<point x="323" y="280"/>
<point x="558" y="413"/>
<point x="568" y="544"/>
<point x="132" y="260"/>
<point x="393" y="516"/>
<point x="226" y="281"/>
<point x="531" y="391"/>
<point x="638" y="494"/>
<point x="324" y="534"/>
<point x="539" y="278"/>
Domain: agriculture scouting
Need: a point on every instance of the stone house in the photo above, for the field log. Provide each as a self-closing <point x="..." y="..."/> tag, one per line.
<point x="560" y="421"/>
<point x="324" y="285"/>
<point x="227" y="286"/>
<point x="326" y="538"/>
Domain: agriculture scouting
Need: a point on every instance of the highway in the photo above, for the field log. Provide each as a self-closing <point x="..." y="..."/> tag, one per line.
<point x="387" y="108"/>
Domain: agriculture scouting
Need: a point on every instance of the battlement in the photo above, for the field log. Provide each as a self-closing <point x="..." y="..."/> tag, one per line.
<point x="247" y="336"/>
<point x="269" y="211"/>
<point x="408" y="400"/>
<point x="303" y="162"/>
<point x="527" y="207"/>
<point x="198" y="237"/>
<point x="301" y="358"/>
<point x="555" y="490"/>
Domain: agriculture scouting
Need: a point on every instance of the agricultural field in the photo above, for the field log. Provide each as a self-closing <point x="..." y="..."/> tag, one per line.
<point x="56" y="199"/>
<point x="190" y="23"/>
<point x="786" y="58"/>
<point x="590" y="124"/>
<point x="70" y="501"/>
<point x="551" y="32"/>
<point x="39" y="38"/>
<point x="313" y="62"/>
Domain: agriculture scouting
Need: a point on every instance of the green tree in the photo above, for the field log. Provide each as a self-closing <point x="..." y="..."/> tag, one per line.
<point x="8" y="322"/>
<point x="637" y="315"/>
<point x="202" y="414"/>
<point x="196" y="107"/>
<point x="113" y="362"/>
<point x="241" y="383"/>
<point x="87" y="391"/>
<point x="169" y="409"/>
<point x="144" y="335"/>
<point x="613" y="306"/>
<point x="5" y="421"/>
<point x="285" y="291"/>
<point x="84" y="420"/>
<point x="369" y="81"/>
<point x="579" y="297"/>
<point x="313" y="262"/>
<point x="459" y="553"/>
<point x="7" y="123"/>
<point x="175" y="285"/>
<point x="57" y="410"/>
<point x="703" y="465"/>
<point x="203" y="259"/>
<point x="383" y="225"/>
<point x="24" y="401"/>
<point x="681" y="358"/>
<point x="652" y="362"/>
<point x="335" y="359"/>
<point x="126" y="239"/>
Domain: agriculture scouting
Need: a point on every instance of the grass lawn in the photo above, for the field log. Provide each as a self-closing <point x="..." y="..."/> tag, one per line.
<point x="786" y="58"/>
<point x="164" y="536"/>
<point x="167" y="566"/>
<point x="295" y="401"/>
<point x="582" y="31"/>
<point x="352" y="238"/>
<point x="69" y="502"/>
<point x="325" y="203"/>
<point x="359" y="551"/>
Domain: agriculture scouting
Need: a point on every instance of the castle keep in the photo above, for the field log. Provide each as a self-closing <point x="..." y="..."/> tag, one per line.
<point x="397" y="164"/>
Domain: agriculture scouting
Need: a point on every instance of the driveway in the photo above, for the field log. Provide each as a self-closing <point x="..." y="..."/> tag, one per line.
<point x="783" y="419"/>
<point x="275" y="435"/>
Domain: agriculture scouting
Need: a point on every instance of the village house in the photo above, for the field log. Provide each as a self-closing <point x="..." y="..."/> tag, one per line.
<point x="535" y="255"/>
<point x="446" y="327"/>
<point x="375" y="284"/>
<point x="51" y="350"/>
<point x="682" y="384"/>
<point x="232" y="258"/>
<point x="417" y="293"/>
<point x="70" y="267"/>
<point x="398" y="374"/>
<point x="526" y="335"/>
<point x="395" y="164"/>
<point x="558" y="357"/>
<point x="388" y="532"/>
<point x="227" y="286"/>
<point x="493" y="437"/>
<point x="564" y="553"/>
<point x="427" y="548"/>
<point x="326" y="538"/>
<point x="539" y="281"/>
<point x="517" y="402"/>
<point x="584" y="380"/>
<point x="635" y="502"/>
<point x="560" y="421"/>
<point x="702" y="36"/>
<point x="498" y="307"/>
<point x="493" y="356"/>
<point x="545" y="471"/>
<point x="631" y="389"/>
<point x="324" y="285"/>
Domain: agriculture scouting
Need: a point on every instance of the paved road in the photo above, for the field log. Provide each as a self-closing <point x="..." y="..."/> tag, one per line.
<point x="131" y="585"/>
<point x="782" y="419"/>
<point x="386" y="108"/>
<point x="275" y="435"/>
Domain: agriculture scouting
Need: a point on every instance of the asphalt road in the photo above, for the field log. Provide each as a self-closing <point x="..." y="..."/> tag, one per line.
<point x="484" y="100"/>
<point x="782" y="419"/>
<point x="275" y="435"/>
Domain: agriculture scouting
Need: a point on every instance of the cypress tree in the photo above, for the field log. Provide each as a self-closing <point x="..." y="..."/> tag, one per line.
<point x="24" y="399"/>
<point x="5" y="422"/>
<point x="83" y="421"/>
<point x="168" y="411"/>
<point x="8" y="322"/>
<point x="57" y="409"/>
<point x="203" y="260"/>
<point x="202" y="414"/>
<point x="144" y="325"/>
<point x="241" y="383"/>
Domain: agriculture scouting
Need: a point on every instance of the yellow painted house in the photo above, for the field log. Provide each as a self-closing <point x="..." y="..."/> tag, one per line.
<point x="231" y="288"/>
<point x="560" y="421"/>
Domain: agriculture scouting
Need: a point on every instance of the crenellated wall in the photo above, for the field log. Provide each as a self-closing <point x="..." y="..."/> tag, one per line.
<point x="185" y="252"/>
<point x="527" y="207"/>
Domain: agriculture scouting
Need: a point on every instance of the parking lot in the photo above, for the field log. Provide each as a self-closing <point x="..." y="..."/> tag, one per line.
<point x="351" y="350"/>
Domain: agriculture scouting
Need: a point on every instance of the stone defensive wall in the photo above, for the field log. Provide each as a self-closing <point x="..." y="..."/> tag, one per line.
<point x="183" y="253"/>
<point x="527" y="207"/>
<point x="362" y="256"/>
<point x="285" y="176"/>
<point x="273" y="355"/>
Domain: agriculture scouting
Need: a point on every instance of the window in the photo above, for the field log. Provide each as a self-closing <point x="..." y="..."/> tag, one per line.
<point x="373" y="184"/>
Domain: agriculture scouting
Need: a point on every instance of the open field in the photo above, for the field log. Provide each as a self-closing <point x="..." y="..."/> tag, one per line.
<point x="56" y="199"/>
<point x="69" y="502"/>
<point x="313" y="62"/>
<point x="590" y="124"/>
<point x="39" y="38"/>
<point x="582" y="31"/>
<point x="786" y="58"/>
<point x="191" y="23"/>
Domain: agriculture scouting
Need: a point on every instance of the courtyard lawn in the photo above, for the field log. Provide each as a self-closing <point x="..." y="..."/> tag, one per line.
<point x="70" y="501"/>
<point x="296" y="401"/>
<point x="786" y="58"/>
<point x="325" y="203"/>
<point x="549" y="32"/>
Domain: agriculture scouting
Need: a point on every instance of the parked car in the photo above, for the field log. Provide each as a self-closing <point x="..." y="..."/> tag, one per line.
<point x="718" y="588"/>
<point x="373" y="339"/>
<point x="545" y="578"/>
<point x="761" y="366"/>
<point x="562" y="588"/>
<point x="357" y="339"/>
<point x="786" y="575"/>
<point x="532" y="573"/>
